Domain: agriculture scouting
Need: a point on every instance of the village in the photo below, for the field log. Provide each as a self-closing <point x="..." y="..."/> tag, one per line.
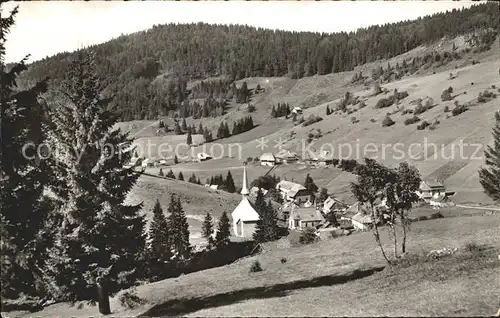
<point x="302" y="210"/>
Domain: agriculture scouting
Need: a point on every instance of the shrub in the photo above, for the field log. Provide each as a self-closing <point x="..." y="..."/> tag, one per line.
<point x="412" y="120"/>
<point x="387" y="122"/>
<point x="423" y="125"/>
<point x="249" y="159"/>
<point x="362" y="104"/>
<point x="372" y="120"/>
<point x="420" y="109"/>
<point x="255" y="267"/>
<point x="311" y="120"/>
<point x="383" y="103"/>
<point x="283" y="260"/>
<point x="251" y="108"/>
<point x="446" y="109"/>
<point x="354" y="120"/>
<point x="485" y="96"/>
<point x="446" y="94"/>
<point x="308" y="236"/>
<point x="458" y="110"/>
<point x="472" y="247"/>
<point x="130" y="300"/>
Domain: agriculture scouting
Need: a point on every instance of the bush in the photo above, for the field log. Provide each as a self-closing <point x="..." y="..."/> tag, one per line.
<point x="311" y="120"/>
<point x="472" y="247"/>
<point x="255" y="267"/>
<point x="412" y="120"/>
<point x="458" y="110"/>
<point x="251" y="108"/>
<point x="485" y="96"/>
<point x="446" y="109"/>
<point x="372" y="120"/>
<point x="283" y="260"/>
<point x="387" y="122"/>
<point x="354" y="120"/>
<point x="308" y="236"/>
<point x="446" y="94"/>
<point x="130" y="300"/>
<point x="423" y="125"/>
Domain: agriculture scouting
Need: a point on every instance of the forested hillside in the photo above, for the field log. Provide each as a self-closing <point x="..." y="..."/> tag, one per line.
<point x="147" y="72"/>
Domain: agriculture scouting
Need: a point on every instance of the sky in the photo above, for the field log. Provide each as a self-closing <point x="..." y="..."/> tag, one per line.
<point x="45" y="28"/>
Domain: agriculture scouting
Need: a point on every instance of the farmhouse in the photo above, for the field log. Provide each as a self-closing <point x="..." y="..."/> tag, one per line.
<point x="285" y="156"/>
<point x="320" y="158"/>
<point x="267" y="159"/>
<point x="147" y="163"/>
<point x="297" y="110"/>
<point x="202" y="157"/>
<point x="333" y="205"/>
<point x="361" y="221"/>
<point x="441" y="201"/>
<point x="302" y="218"/>
<point x="245" y="215"/>
<point x="291" y="191"/>
<point x="359" y="215"/>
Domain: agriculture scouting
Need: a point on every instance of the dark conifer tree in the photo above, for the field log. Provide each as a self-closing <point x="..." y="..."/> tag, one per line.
<point x="27" y="218"/>
<point x="178" y="225"/>
<point x="310" y="185"/>
<point x="189" y="139"/>
<point x="160" y="249"/>
<point x="101" y="232"/>
<point x="223" y="231"/>
<point x="230" y="187"/>
<point x="170" y="174"/>
<point x="207" y="230"/>
<point x="490" y="175"/>
<point x="161" y="172"/>
<point x="181" y="176"/>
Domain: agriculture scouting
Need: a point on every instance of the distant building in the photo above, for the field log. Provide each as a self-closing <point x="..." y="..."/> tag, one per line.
<point x="333" y="205"/>
<point x="297" y="110"/>
<point x="285" y="156"/>
<point x="361" y="221"/>
<point x="214" y="186"/>
<point x="202" y="157"/>
<point x="291" y="191"/>
<point x="267" y="159"/>
<point x="302" y="218"/>
<point x="245" y="215"/>
<point x="441" y="201"/>
<point x="147" y="163"/>
<point x="359" y="216"/>
<point x="320" y="158"/>
<point x="433" y="191"/>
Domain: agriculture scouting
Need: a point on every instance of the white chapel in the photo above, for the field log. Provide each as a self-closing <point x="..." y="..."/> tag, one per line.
<point x="244" y="216"/>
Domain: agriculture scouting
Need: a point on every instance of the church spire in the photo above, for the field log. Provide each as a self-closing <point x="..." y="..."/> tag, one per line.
<point x="244" y="188"/>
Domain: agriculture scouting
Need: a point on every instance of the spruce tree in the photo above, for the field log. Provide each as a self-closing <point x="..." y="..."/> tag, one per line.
<point x="26" y="215"/>
<point x="181" y="176"/>
<point x="310" y="185"/>
<point x="176" y="160"/>
<point x="178" y="225"/>
<point x="192" y="179"/>
<point x="184" y="124"/>
<point x="223" y="231"/>
<point x="490" y="176"/>
<point x="230" y="187"/>
<point x="100" y="238"/>
<point x="189" y="139"/>
<point x="207" y="230"/>
<point x="160" y="249"/>
<point x="161" y="172"/>
<point x="170" y="174"/>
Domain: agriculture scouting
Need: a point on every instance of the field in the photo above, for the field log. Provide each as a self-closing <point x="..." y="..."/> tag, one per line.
<point x="339" y="277"/>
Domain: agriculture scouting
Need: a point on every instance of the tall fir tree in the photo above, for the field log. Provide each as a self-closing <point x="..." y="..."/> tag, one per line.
<point x="230" y="187"/>
<point x="160" y="248"/>
<point x="100" y="238"/>
<point x="207" y="230"/>
<point x="27" y="220"/>
<point x="310" y="185"/>
<point x="223" y="231"/>
<point x="178" y="225"/>
<point x="170" y="174"/>
<point x="181" y="176"/>
<point x="490" y="176"/>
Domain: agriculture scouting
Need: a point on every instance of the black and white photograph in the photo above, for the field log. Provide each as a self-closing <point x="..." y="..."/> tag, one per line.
<point x="250" y="159"/>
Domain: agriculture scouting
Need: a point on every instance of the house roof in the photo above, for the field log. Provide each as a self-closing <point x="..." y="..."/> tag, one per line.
<point x="428" y="185"/>
<point x="362" y="218"/>
<point x="286" y="154"/>
<point x="330" y="203"/>
<point x="306" y="214"/>
<point x="288" y="206"/>
<point x="289" y="186"/>
<point x="267" y="157"/>
<point x="245" y="211"/>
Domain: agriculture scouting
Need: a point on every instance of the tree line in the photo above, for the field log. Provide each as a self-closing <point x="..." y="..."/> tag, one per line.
<point x="130" y="65"/>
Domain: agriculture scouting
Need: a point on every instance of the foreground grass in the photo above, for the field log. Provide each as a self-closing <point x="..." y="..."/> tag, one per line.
<point x="340" y="277"/>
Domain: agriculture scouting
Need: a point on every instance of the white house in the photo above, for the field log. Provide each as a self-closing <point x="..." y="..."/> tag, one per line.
<point x="291" y="191"/>
<point x="297" y="110"/>
<point x="285" y="156"/>
<point x="245" y="215"/>
<point x="302" y="218"/>
<point x="361" y="221"/>
<point x="267" y="159"/>
<point x="202" y="157"/>
<point x="147" y="163"/>
<point x="430" y="189"/>
<point x="332" y="204"/>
